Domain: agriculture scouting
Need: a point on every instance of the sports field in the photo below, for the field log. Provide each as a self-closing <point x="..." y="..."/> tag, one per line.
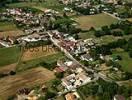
<point x="96" y="21"/>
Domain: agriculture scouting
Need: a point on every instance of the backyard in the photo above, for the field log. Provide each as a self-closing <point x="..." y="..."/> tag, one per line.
<point x="126" y="61"/>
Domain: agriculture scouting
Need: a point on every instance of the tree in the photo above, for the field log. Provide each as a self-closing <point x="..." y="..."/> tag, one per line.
<point x="130" y="53"/>
<point x="59" y="75"/>
<point x="56" y="82"/>
<point x="113" y="26"/>
<point x="3" y="3"/>
<point x="109" y="63"/>
<point x="106" y="30"/>
<point x="12" y="72"/>
<point x="49" y="95"/>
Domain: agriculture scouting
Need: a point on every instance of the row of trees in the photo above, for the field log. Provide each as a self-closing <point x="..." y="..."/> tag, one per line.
<point x="106" y="49"/>
<point x="4" y="2"/>
<point x="85" y="11"/>
<point x="105" y="90"/>
<point x="66" y="25"/>
<point x="118" y="29"/>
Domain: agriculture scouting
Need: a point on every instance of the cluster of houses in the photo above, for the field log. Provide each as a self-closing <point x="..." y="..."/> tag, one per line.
<point x="88" y="4"/>
<point x="77" y="76"/>
<point x="89" y="1"/>
<point x="75" y="47"/>
<point x="34" y="25"/>
<point x="7" y="41"/>
<point x="30" y="94"/>
<point x="33" y="38"/>
<point x="72" y="96"/>
<point x="76" y="79"/>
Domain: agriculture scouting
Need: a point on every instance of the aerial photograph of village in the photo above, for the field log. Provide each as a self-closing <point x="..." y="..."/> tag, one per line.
<point x="65" y="49"/>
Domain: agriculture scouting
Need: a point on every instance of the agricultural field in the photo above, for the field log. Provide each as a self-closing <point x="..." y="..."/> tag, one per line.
<point x="49" y="4"/>
<point x="13" y="33"/>
<point x="24" y="65"/>
<point x="7" y="68"/>
<point x="7" y="26"/>
<point x="37" y="52"/>
<point x="96" y="21"/>
<point x="9" y="29"/>
<point x="10" y="85"/>
<point x="9" y="55"/>
<point x="126" y="61"/>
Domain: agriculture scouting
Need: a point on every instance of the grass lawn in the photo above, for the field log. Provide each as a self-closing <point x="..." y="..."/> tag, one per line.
<point x="9" y="55"/>
<point x="126" y="61"/>
<point x="7" y="26"/>
<point x="33" y="63"/>
<point x="86" y="35"/>
<point x="96" y="21"/>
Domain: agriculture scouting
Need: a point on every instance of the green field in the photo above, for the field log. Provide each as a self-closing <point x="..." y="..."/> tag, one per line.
<point x="96" y="21"/>
<point x="35" y="62"/>
<point x="7" y="26"/>
<point x="9" y="55"/>
<point x="126" y="61"/>
<point x="101" y="40"/>
<point x="50" y="4"/>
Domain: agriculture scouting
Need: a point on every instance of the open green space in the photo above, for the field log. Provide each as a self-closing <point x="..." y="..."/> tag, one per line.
<point x="9" y="55"/>
<point x="96" y="21"/>
<point x="101" y="40"/>
<point x="50" y="4"/>
<point x="36" y="62"/>
<point x="126" y="61"/>
<point x="7" y="26"/>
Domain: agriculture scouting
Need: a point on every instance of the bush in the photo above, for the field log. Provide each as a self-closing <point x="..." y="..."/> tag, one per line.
<point x="49" y="95"/>
<point x="12" y="72"/>
<point x="59" y="75"/>
<point x="130" y="53"/>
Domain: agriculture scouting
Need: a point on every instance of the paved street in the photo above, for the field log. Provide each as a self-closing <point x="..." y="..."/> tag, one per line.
<point x="55" y="42"/>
